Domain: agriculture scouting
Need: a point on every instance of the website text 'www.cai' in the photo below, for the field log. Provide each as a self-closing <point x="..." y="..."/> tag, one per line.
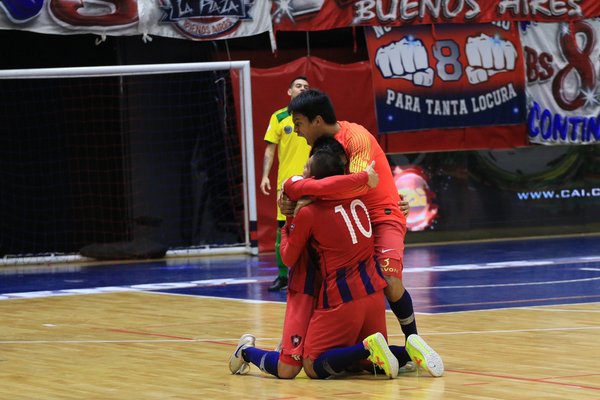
<point x="559" y="194"/>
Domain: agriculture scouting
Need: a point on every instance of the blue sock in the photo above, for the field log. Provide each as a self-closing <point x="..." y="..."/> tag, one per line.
<point x="334" y="361"/>
<point x="266" y="360"/>
<point x="403" y="310"/>
<point x="401" y="354"/>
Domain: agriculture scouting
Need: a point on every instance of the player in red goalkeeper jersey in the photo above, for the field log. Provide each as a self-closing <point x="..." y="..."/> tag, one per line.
<point x="314" y="117"/>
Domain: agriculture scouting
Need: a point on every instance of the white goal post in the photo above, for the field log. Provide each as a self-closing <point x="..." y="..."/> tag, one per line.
<point x="244" y="125"/>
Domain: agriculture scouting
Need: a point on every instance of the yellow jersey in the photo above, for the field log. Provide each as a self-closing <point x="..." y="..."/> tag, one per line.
<point x="292" y="150"/>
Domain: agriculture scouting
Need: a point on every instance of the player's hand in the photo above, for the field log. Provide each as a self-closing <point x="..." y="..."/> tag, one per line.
<point x="373" y="177"/>
<point x="404" y="207"/>
<point x="304" y="201"/>
<point x="265" y="185"/>
<point x="406" y="59"/>
<point x="488" y="56"/>
<point x="286" y="206"/>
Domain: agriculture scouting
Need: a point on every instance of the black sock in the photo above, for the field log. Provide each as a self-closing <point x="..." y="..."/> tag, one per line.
<point x="335" y="361"/>
<point x="401" y="354"/>
<point x="403" y="309"/>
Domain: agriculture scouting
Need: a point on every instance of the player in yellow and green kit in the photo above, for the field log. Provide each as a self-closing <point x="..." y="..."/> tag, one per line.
<point x="292" y="153"/>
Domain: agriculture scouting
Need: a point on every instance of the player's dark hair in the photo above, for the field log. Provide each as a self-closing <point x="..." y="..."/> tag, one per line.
<point x="326" y="163"/>
<point x="328" y="143"/>
<point x="311" y="103"/>
<point x="304" y="78"/>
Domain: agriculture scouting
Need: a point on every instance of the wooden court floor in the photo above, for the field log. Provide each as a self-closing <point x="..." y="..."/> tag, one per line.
<point x="142" y="345"/>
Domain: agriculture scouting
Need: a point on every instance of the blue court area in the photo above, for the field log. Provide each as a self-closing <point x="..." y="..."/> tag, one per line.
<point x="441" y="278"/>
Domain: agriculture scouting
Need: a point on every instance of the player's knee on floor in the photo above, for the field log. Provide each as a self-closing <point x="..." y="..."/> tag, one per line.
<point x="286" y="371"/>
<point x="308" y="368"/>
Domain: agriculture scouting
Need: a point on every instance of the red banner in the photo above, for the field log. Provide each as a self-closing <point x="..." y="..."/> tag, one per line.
<point x="317" y="15"/>
<point x="465" y="75"/>
<point x="351" y="90"/>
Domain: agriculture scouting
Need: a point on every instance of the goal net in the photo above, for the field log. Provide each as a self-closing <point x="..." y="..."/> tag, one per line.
<point x="126" y="158"/>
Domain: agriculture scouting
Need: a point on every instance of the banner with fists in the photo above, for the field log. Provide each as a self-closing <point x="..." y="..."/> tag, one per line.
<point x="449" y="76"/>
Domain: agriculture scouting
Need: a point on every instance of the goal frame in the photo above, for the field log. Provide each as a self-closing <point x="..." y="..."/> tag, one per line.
<point x="250" y="246"/>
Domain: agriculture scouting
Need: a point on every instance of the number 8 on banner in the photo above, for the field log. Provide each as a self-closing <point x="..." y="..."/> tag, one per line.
<point x="408" y="59"/>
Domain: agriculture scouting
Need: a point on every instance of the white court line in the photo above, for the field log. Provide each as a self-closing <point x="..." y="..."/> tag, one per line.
<point x="261" y="279"/>
<point x="236" y="281"/>
<point x="581" y="328"/>
<point x="505" y="264"/>
<point x="135" y="288"/>
<point x="427" y="334"/>
<point x="129" y="341"/>
<point x="504" y="284"/>
<point x="442" y="312"/>
<point x="248" y="301"/>
<point x="560" y="310"/>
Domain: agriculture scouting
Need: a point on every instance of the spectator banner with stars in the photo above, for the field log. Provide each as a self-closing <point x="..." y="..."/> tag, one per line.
<point x="447" y="77"/>
<point x="317" y="15"/>
<point x="562" y="62"/>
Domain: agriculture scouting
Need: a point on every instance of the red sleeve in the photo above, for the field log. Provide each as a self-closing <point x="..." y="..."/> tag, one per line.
<point x="333" y="187"/>
<point x="359" y="148"/>
<point x="294" y="237"/>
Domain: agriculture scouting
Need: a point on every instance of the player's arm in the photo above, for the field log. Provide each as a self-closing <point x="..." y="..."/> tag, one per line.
<point x="265" y="183"/>
<point x="332" y="187"/>
<point x="272" y="138"/>
<point x="294" y="238"/>
<point x="341" y="187"/>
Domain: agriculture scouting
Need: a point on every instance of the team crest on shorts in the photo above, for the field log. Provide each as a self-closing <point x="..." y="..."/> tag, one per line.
<point x="199" y="19"/>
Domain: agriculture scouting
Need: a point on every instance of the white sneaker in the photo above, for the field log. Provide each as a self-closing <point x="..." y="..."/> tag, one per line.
<point x="237" y="364"/>
<point x="424" y="356"/>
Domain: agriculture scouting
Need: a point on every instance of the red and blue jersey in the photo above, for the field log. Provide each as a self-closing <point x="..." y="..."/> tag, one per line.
<point x="339" y="238"/>
<point x="304" y="275"/>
